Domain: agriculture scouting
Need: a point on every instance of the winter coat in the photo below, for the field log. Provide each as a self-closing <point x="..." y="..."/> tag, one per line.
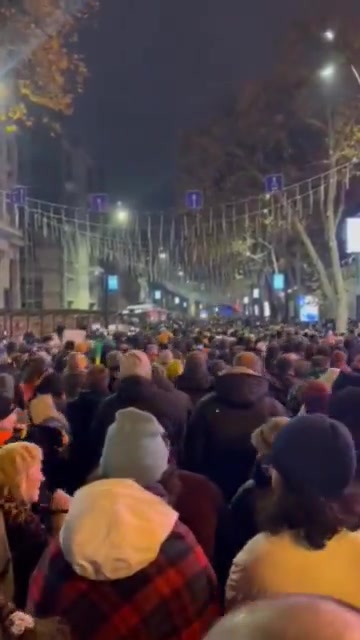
<point x="196" y="387"/>
<point x="274" y="565"/>
<point x="80" y="414"/>
<point x="171" y="408"/>
<point x="106" y="585"/>
<point x="27" y="540"/>
<point x="245" y="508"/>
<point x="218" y="441"/>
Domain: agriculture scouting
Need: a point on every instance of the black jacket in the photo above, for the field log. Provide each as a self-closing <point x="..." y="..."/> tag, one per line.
<point x="218" y="443"/>
<point x="171" y="408"/>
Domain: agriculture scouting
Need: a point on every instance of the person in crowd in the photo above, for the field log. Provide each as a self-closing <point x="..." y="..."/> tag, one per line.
<point x="136" y="448"/>
<point x="344" y="406"/>
<point x="152" y="352"/>
<point x="283" y="379"/>
<point x="35" y="368"/>
<point x="80" y="414"/>
<point x="346" y="379"/>
<point x="174" y="370"/>
<point x="49" y="428"/>
<point x="316" y="396"/>
<point x="75" y="374"/>
<point x="253" y="496"/>
<point x="165" y="357"/>
<point x="290" y="618"/>
<point x="273" y="352"/>
<point x="216" y="367"/>
<point x="124" y="567"/>
<point x="309" y="541"/>
<point x="195" y="380"/>
<point x="338" y="360"/>
<point x="113" y="360"/>
<point x="20" y="480"/>
<point x="218" y="440"/>
<point x="9" y="419"/>
<point x="60" y="360"/>
<point x="137" y="389"/>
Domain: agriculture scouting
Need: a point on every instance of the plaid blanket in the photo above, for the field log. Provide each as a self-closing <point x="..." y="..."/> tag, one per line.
<point x="175" y="597"/>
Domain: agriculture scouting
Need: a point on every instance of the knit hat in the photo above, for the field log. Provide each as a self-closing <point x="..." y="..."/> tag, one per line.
<point x="264" y="436"/>
<point x="135" y="363"/>
<point x="7" y="385"/>
<point x="315" y="454"/>
<point x="174" y="369"/>
<point x="135" y="448"/>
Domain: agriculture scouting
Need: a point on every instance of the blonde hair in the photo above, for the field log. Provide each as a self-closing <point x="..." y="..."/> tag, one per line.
<point x="264" y="436"/>
<point x="16" y="460"/>
<point x="76" y="362"/>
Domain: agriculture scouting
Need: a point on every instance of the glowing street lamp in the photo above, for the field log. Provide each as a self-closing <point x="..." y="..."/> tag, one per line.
<point x="328" y="72"/>
<point x="162" y="254"/>
<point x="122" y="214"/>
<point x="329" y="35"/>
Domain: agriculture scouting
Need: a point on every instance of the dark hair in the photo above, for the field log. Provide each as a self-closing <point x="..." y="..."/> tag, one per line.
<point x="324" y="350"/>
<point x="284" y="366"/>
<point x="314" y="520"/>
<point x="52" y="383"/>
<point x="69" y="345"/>
<point x="320" y="362"/>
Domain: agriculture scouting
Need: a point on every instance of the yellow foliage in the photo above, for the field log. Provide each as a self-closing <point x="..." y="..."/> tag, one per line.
<point x="54" y="72"/>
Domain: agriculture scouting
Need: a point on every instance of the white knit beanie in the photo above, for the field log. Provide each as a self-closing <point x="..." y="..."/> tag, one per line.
<point x="135" y="363"/>
<point x="135" y="448"/>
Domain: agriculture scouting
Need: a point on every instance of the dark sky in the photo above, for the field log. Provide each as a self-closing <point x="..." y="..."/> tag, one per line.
<point x="160" y="66"/>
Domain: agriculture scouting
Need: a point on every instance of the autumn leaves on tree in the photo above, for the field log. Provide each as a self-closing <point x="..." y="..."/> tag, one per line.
<point x="39" y="60"/>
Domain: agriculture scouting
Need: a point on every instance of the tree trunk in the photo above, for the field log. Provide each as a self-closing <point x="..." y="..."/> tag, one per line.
<point x="342" y="312"/>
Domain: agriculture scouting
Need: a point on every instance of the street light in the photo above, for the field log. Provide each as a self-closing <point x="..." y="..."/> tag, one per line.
<point x="162" y="254"/>
<point x="122" y="214"/>
<point x="329" y="35"/>
<point x="328" y="72"/>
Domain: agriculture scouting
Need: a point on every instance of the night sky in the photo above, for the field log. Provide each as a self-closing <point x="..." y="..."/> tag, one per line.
<point x="161" y="66"/>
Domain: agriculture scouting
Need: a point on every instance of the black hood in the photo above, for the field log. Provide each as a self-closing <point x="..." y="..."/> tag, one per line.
<point x="195" y="381"/>
<point x="241" y="389"/>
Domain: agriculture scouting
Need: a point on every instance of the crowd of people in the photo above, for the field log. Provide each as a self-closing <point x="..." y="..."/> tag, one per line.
<point x="185" y="484"/>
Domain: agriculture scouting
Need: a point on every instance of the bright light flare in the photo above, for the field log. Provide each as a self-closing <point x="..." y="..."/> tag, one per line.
<point x="328" y="72"/>
<point x="122" y="215"/>
<point x="329" y="35"/>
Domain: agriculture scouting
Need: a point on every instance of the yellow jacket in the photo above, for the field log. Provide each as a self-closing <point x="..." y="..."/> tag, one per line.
<point x="274" y="565"/>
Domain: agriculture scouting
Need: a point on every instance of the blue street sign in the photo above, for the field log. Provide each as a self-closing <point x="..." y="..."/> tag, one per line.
<point x="18" y="196"/>
<point x="113" y="282"/>
<point x="194" y="199"/>
<point x="274" y="183"/>
<point x="99" y="202"/>
<point x="278" y="281"/>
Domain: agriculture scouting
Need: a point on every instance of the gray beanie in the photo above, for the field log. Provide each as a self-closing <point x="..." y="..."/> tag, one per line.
<point x="135" y="448"/>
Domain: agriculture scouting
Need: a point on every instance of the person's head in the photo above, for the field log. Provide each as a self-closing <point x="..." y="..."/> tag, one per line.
<point x="174" y="369"/>
<point x="69" y="346"/>
<point x="316" y="396"/>
<point x="195" y="364"/>
<point x="165" y="357"/>
<point x="135" y="363"/>
<point x="113" y="360"/>
<point x="355" y="363"/>
<point x="21" y="471"/>
<point x="263" y="437"/>
<point x="285" y="366"/>
<point x="301" y="369"/>
<point x="135" y="447"/>
<point x="34" y="370"/>
<point x="293" y="617"/>
<point x="313" y="461"/>
<point x="249" y="360"/>
<point x="320" y="363"/>
<point x="51" y="384"/>
<point x="97" y="378"/>
<point x="152" y="352"/>
<point x="216" y="367"/>
<point x="338" y="359"/>
<point x="76" y="362"/>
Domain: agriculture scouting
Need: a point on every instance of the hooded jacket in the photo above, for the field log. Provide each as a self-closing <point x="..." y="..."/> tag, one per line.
<point x="218" y="443"/>
<point x="125" y="568"/>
